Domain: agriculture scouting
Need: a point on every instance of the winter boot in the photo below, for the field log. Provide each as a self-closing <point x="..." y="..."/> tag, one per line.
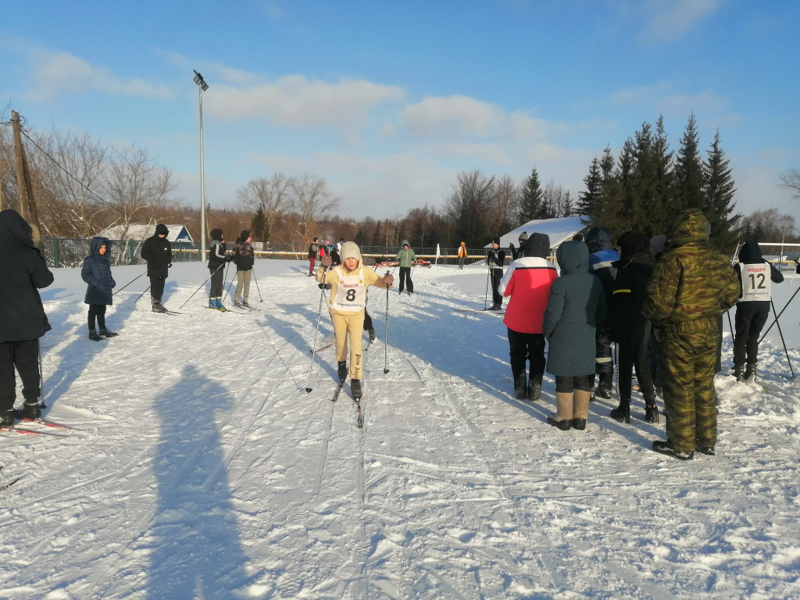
<point x="211" y="304"/>
<point x="106" y="333"/>
<point x="650" y="410"/>
<point x="159" y="308"/>
<point x="218" y="304"/>
<point x="666" y="448"/>
<point x="7" y="419"/>
<point x="623" y="412"/>
<point x="738" y="372"/>
<point x="342" y="370"/>
<point x="244" y="303"/>
<point x="355" y="386"/>
<point x="603" y="389"/>
<point x="750" y="373"/>
<point x="580" y="409"/>
<point x="236" y="302"/>
<point x="31" y="411"/>
<point x="707" y="450"/>
<point x="94" y="337"/>
<point x="372" y="335"/>
<point x="563" y="418"/>
<point x="520" y="384"/>
<point x="535" y="388"/>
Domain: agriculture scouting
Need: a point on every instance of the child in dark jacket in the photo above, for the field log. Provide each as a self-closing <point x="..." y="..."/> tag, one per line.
<point x="244" y="259"/>
<point x="96" y="272"/>
<point x="752" y="309"/>
<point x="628" y="326"/>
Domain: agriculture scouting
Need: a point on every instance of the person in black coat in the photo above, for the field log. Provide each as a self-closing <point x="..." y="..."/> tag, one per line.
<point x="217" y="258"/>
<point x="96" y="272"/>
<point x="628" y="326"/>
<point x="496" y="258"/>
<point x="157" y="251"/>
<point x="752" y="309"/>
<point x="23" y="272"/>
<point x="244" y="258"/>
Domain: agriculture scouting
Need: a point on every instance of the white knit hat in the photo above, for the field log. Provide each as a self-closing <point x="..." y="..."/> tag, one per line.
<point x="350" y="250"/>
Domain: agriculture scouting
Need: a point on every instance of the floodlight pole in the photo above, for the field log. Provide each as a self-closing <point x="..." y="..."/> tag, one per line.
<point x="201" y="87"/>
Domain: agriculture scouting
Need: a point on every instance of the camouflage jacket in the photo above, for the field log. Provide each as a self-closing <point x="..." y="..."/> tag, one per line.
<point x="692" y="281"/>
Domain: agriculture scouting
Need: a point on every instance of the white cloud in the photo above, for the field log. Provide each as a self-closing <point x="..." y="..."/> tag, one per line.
<point x="297" y="101"/>
<point x="453" y="116"/>
<point x="56" y="72"/>
<point x="669" y="20"/>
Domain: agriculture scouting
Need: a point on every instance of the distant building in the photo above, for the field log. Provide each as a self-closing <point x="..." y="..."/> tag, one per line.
<point x="177" y="233"/>
<point x="559" y="230"/>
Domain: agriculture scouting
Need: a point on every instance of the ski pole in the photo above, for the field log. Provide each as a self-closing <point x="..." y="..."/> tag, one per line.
<point x="386" y="335"/>
<point x="779" y="315"/>
<point x="201" y="285"/>
<point x="126" y="285"/>
<point x="260" y="299"/>
<point x="41" y="376"/>
<point x="730" y="323"/>
<point x="309" y="389"/>
<point x="782" y="340"/>
<point x="142" y="294"/>
<point x="486" y="294"/>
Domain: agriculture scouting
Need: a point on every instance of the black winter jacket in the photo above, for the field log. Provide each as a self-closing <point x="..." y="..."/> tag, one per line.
<point x="244" y="256"/>
<point x="23" y="273"/>
<point x="625" y="319"/>
<point x="158" y="254"/>
<point x="96" y="272"/>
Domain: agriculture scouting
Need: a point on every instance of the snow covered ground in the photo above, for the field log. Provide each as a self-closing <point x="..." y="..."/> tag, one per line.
<point x="199" y="467"/>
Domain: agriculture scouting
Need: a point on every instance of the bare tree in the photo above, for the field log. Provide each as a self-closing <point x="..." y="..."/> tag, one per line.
<point x="271" y="195"/>
<point x="137" y="189"/>
<point x="469" y="205"/>
<point x="311" y="201"/>
<point x="791" y="180"/>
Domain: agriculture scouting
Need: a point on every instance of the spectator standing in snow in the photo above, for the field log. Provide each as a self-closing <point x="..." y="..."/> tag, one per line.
<point x="157" y="251"/>
<point x="575" y="306"/>
<point x="628" y="326"/>
<point x="23" y="321"/>
<point x="217" y="258"/>
<point x="527" y="285"/>
<point x="313" y="249"/>
<point x="752" y="309"/>
<point x="462" y="254"/>
<point x="515" y="254"/>
<point x="96" y="272"/>
<point x="598" y="239"/>
<point x="406" y="258"/>
<point x="496" y="259"/>
<point x="244" y="258"/>
<point x="690" y="287"/>
<point x="347" y="303"/>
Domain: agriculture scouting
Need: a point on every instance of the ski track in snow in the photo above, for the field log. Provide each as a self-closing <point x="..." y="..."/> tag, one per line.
<point x="199" y="467"/>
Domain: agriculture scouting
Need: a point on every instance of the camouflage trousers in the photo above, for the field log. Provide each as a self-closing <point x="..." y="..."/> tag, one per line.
<point x="688" y="356"/>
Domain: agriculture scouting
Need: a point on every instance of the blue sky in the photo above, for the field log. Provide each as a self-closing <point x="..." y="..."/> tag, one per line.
<point x="390" y="100"/>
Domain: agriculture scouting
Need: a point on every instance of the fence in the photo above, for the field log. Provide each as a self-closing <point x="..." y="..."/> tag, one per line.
<point x="62" y="252"/>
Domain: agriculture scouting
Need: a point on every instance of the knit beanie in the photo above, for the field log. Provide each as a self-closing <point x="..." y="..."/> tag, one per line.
<point x="350" y="250"/>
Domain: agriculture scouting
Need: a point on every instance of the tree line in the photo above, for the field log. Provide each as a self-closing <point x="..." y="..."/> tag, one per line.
<point x="83" y="186"/>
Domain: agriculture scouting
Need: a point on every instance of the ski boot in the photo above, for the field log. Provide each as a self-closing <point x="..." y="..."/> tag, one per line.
<point x="7" y="419"/>
<point x="31" y="411"/>
<point x="371" y="335"/>
<point x="218" y="305"/>
<point x="341" y="371"/>
<point x="355" y="386"/>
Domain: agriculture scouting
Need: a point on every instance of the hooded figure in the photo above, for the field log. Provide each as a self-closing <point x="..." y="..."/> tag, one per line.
<point x="406" y="258"/>
<point x="23" y="272"/>
<point x="96" y="272"/>
<point x="527" y="285"/>
<point x="244" y="258"/>
<point x="462" y="254"/>
<point x="601" y="262"/>
<point x="348" y="283"/>
<point x="157" y="251"/>
<point x="575" y="306"/>
<point x="756" y="277"/>
<point x="628" y="326"/>
<point x="691" y="286"/>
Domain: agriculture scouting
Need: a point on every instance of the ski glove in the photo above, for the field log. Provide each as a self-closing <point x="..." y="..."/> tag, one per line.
<point x="324" y="286"/>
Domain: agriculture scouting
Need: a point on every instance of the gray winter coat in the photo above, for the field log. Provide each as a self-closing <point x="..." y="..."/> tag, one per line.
<point x="575" y="306"/>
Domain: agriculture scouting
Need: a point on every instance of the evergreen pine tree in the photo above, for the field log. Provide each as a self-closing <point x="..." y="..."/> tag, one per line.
<point x="689" y="169"/>
<point x="530" y="199"/>
<point x="592" y="197"/>
<point x="719" y="191"/>
<point x="260" y="227"/>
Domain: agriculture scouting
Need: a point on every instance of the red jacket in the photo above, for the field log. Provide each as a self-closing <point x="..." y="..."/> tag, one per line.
<point x="527" y="282"/>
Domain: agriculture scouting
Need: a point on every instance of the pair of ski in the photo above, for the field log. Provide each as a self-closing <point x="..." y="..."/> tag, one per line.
<point x="328" y="345"/>
<point x="359" y="412"/>
<point x="42" y="422"/>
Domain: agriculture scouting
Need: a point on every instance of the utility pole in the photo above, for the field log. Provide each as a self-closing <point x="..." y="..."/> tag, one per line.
<point x="25" y="200"/>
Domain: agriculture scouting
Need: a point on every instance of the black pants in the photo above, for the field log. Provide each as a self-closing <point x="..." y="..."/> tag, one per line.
<point x="604" y="359"/>
<point x="367" y="321"/>
<point x="749" y="323"/>
<point x="217" y="277"/>
<point x="524" y="347"/>
<point x="635" y="356"/>
<point x="97" y="311"/>
<point x="497" y="297"/>
<point x="156" y="288"/>
<point x="25" y="357"/>
<point x="567" y="385"/>
<point x="405" y="277"/>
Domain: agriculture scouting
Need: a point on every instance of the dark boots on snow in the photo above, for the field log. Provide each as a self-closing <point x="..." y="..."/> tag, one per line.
<point x="650" y="411"/>
<point x="93" y="335"/>
<point x="355" y="386"/>
<point x="603" y="389"/>
<point x="106" y="333"/>
<point x="535" y="388"/>
<point x="371" y="335"/>
<point x="666" y="448"/>
<point x="623" y="412"/>
<point x="7" y="418"/>
<point x="341" y="371"/>
<point x="749" y="374"/>
<point x="31" y="411"/>
<point x="520" y="386"/>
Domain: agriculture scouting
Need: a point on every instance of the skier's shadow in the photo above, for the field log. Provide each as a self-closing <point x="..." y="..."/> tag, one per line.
<point x="196" y="547"/>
